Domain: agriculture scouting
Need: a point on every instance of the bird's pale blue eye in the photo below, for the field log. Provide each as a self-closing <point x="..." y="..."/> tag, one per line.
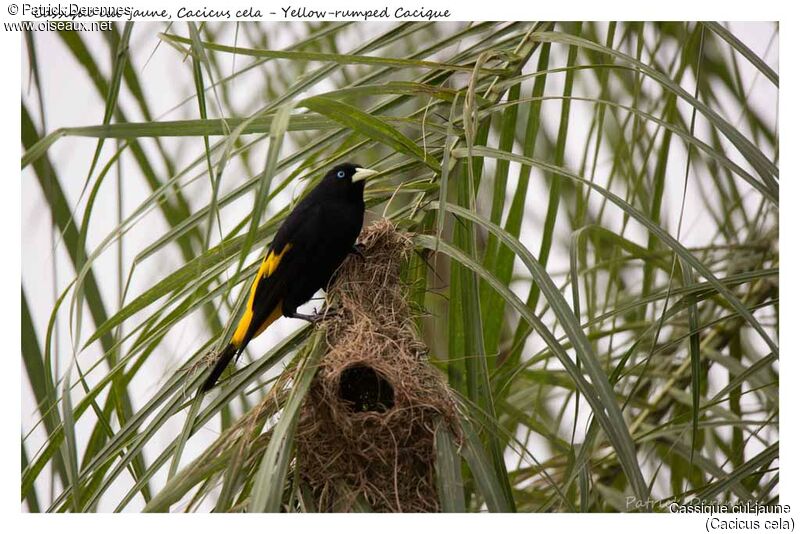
<point x="340" y="174"/>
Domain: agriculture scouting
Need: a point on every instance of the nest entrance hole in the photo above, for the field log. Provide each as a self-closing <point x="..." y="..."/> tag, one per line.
<point x="365" y="390"/>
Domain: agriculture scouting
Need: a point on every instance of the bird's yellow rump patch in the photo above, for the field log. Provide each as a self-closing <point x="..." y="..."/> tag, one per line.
<point x="266" y="269"/>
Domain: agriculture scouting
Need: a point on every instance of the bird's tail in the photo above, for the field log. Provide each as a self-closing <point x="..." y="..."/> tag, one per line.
<point x="224" y="358"/>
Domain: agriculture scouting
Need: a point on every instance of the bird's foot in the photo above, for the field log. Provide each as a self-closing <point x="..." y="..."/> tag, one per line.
<point x="316" y="317"/>
<point x="313" y="319"/>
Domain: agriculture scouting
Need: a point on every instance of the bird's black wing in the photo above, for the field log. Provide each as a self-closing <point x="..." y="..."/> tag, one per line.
<point x="279" y="269"/>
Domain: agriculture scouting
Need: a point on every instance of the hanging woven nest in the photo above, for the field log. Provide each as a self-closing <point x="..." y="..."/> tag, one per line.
<point x="366" y="431"/>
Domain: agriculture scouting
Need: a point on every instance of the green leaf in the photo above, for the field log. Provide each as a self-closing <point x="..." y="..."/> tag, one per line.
<point x="268" y="483"/>
<point x="599" y="394"/>
<point x="369" y="126"/>
<point x="486" y="477"/>
<point x="448" y="471"/>
<point x="671" y="242"/>
<point x="343" y="59"/>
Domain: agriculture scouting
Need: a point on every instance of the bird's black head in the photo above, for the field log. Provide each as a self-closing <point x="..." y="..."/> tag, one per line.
<point x="347" y="178"/>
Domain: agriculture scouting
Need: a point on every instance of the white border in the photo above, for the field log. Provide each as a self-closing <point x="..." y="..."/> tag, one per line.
<point x="497" y="10"/>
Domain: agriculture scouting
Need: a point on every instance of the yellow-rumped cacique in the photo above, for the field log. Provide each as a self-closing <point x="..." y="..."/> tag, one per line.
<point x="309" y="246"/>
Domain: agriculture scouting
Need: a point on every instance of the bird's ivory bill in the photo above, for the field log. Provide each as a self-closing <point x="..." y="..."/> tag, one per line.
<point x="363" y="174"/>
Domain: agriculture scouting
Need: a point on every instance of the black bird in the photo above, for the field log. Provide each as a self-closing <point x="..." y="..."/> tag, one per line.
<point x="310" y="245"/>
